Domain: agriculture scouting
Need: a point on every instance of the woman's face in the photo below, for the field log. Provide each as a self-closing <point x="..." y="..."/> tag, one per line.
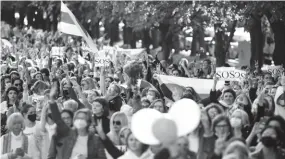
<point x="84" y="85"/>
<point x="97" y="109"/>
<point x="241" y="102"/>
<point x="17" y="126"/>
<point x="31" y="111"/>
<point x="7" y="81"/>
<point x="273" y="92"/>
<point x="123" y="136"/>
<point x="269" y="132"/>
<point x="133" y="144"/>
<point x="145" y="104"/>
<point x="82" y="116"/>
<point x="112" y="90"/>
<point x="228" y="98"/>
<point x="12" y="95"/>
<point x="159" y="107"/>
<point x="18" y="85"/>
<point x="275" y="123"/>
<point x="91" y="97"/>
<point x="151" y="96"/>
<point x="67" y="119"/>
<point x="237" y="89"/>
<point x="39" y="77"/>
<point x="213" y="112"/>
<point x="117" y="124"/>
<point x="222" y="128"/>
<point x="183" y="145"/>
<point x="205" y="65"/>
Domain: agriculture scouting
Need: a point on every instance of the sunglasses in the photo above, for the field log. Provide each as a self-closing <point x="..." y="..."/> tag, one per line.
<point x="117" y="123"/>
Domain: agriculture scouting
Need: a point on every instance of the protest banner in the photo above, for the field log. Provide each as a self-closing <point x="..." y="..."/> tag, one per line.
<point x="173" y="86"/>
<point x="125" y="55"/>
<point x="57" y="51"/>
<point x="273" y="70"/>
<point x="230" y="74"/>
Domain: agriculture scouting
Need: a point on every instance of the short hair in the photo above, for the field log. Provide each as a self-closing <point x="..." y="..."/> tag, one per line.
<point x="71" y="103"/>
<point x="12" y="118"/>
<point x="230" y="91"/>
<point x="88" y="114"/>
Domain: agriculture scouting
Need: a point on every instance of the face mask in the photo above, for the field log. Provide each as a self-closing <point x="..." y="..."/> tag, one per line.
<point x="268" y="141"/>
<point x="32" y="117"/>
<point x="80" y="124"/>
<point x="235" y="122"/>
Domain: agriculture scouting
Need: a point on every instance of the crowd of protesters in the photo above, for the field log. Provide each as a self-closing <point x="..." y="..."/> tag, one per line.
<point x="58" y="108"/>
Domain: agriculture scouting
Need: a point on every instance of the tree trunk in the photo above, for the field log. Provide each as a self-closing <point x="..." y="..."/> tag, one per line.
<point x="195" y="42"/>
<point x="219" y="45"/>
<point x="156" y="37"/>
<point x="232" y="32"/>
<point x="256" y="43"/>
<point x="279" y="35"/>
<point x="166" y="41"/>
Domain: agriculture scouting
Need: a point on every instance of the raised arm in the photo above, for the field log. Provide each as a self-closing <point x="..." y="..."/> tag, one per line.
<point x="62" y="128"/>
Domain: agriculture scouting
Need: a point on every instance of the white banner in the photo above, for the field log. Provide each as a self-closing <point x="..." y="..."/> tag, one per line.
<point x="125" y="55"/>
<point x="230" y="74"/>
<point x="274" y="70"/>
<point x="57" y="51"/>
<point x="201" y="86"/>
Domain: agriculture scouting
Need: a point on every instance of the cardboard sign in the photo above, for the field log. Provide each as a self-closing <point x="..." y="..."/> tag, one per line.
<point x="57" y="51"/>
<point x="274" y="70"/>
<point x="125" y="55"/>
<point x="102" y="61"/>
<point x="230" y="74"/>
<point x="201" y="86"/>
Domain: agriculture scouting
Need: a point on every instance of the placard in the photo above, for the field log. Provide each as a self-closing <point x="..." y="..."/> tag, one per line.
<point x="230" y="74"/>
<point x="274" y="70"/>
<point x="57" y="51"/>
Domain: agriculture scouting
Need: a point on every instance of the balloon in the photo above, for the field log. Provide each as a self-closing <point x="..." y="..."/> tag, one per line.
<point x="141" y="125"/>
<point x="186" y="114"/>
<point x="165" y="130"/>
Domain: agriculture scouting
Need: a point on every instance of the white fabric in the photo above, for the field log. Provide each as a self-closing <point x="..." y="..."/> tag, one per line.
<point x="29" y="131"/>
<point x="194" y="142"/>
<point x="80" y="147"/>
<point x="50" y="129"/>
<point x="279" y="110"/>
<point x="130" y="155"/>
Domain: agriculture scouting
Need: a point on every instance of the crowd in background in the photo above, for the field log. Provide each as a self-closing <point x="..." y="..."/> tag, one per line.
<point x="56" y="107"/>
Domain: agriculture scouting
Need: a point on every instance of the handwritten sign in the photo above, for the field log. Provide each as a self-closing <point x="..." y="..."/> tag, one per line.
<point x="125" y="55"/>
<point x="102" y="61"/>
<point x="274" y="70"/>
<point x="230" y="74"/>
<point x="57" y="51"/>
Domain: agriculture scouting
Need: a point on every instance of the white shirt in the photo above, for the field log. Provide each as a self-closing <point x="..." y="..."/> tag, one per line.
<point x="80" y="147"/>
<point x="50" y="129"/>
<point x="16" y="142"/>
<point x="194" y="142"/>
<point x="29" y="131"/>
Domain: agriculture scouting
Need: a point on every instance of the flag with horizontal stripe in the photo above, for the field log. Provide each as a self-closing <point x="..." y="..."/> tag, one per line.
<point x="70" y="25"/>
<point x="172" y="87"/>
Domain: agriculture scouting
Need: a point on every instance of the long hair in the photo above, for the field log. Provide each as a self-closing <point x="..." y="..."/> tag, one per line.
<point x="144" y="146"/>
<point x="3" y="82"/>
<point x="39" y="85"/>
<point x="105" y="105"/>
<point x="87" y="112"/>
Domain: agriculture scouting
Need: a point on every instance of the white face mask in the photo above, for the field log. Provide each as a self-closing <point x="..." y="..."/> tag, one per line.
<point x="80" y="124"/>
<point x="235" y="122"/>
